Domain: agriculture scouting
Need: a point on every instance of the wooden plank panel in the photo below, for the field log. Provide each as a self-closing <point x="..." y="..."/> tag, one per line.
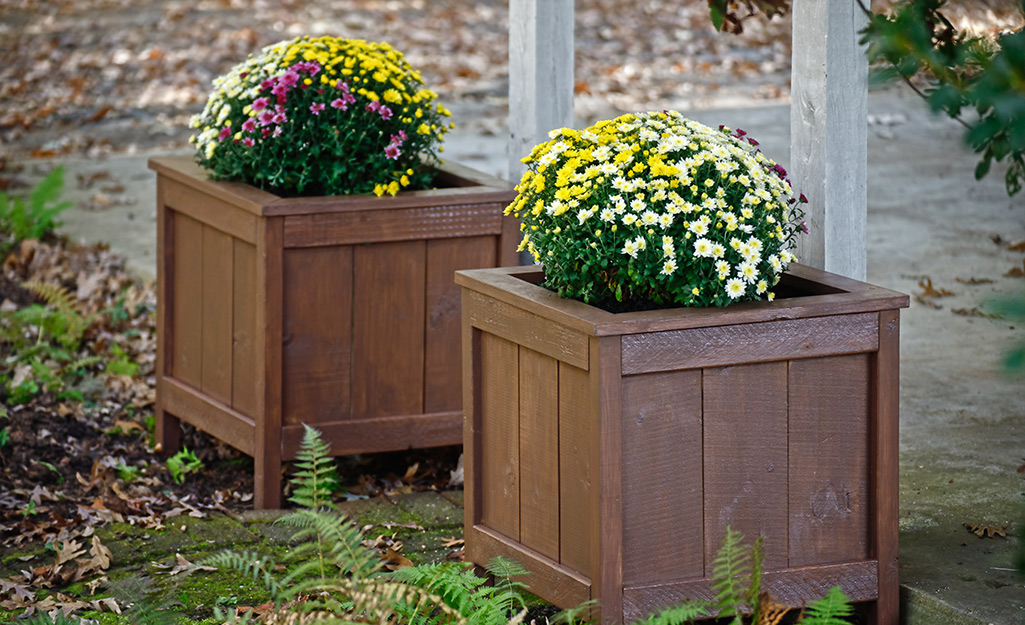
<point x="317" y="336"/>
<point x="401" y="224"/>
<point x="792" y="587"/>
<point x="388" y="329"/>
<point x="662" y="477"/>
<point x="168" y="427"/>
<point x="885" y="435"/>
<point x="187" y="301"/>
<point x="530" y="330"/>
<point x="578" y="476"/>
<point x="539" y="452"/>
<point x="392" y="433"/>
<point x="500" y="478"/>
<point x="606" y="395"/>
<point x="211" y="416"/>
<point x="269" y="323"/>
<point x="442" y="372"/>
<point x="829" y="446"/>
<point x="216" y="213"/>
<point x="745" y="466"/>
<point x="244" y="374"/>
<point x="548" y="579"/>
<point x="753" y="342"/>
<point x="218" y="257"/>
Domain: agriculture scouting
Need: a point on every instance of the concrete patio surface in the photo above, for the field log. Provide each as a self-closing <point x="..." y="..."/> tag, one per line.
<point x="962" y="417"/>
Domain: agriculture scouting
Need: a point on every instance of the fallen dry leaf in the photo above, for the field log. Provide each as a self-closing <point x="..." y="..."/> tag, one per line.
<point x="974" y="280"/>
<point x="986" y="531"/>
<point x="1017" y="247"/>
<point x="929" y="291"/>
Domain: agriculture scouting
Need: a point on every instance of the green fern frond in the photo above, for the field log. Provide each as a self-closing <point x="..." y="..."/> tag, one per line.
<point x="680" y="614"/>
<point x="84" y="363"/>
<point x="754" y="589"/>
<point x="249" y="563"/>
<point x="316" y="477"/>
<point x="455" y="583"/>
<point x="731" y="573"/>
<point x="330" y="542"/>
<point x="504" y="568"/>
<point x="383" y="600"/>
<point x="578" y="615"/>
<point x="829" y="610"/>
<point x="71" y="318"/>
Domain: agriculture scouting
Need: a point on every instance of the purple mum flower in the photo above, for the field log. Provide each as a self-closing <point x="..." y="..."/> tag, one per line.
<point x="385" y="113"/>
<point x="392" y="151"/>
<point x="316" y="108"/>
<point x="248" y="142"/>
<point x="266" y="118"/>
<point x="261" y="103"/>
<point x="249" y="125"/>
<point x="339" y="103"/>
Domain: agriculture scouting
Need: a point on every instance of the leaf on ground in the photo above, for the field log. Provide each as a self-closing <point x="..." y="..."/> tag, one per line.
<point x="974" y="280"/>
<point x="452" y="542"/>
<point x="986" y="531"/>
<point x="973" y="312"/>
<point x="1016" y="272"/>
<point x="182" y="565"/>
<point x="1017" y="247"/>
<point x="395" y="560"/>
<point x="928" y="290"/>
<point x="100" y="555"/>
<point x="928" y="303"/>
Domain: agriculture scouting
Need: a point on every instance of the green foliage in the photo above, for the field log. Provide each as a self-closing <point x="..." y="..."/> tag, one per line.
<point x="316" y="477"/>
<point x="144" y="605"/>
<point x="1013" y="309"/>
<point x="61" y="318"/>
<point x="679" y="614"/>
<point x="967" y="73"/>
<point x="731" y="575"/>
<point x="20" y="220"/>
<point x="183" y="463"/>
<point x="725" y="17"/>
<point x="121" y="364"/>
<point x="43" y="618"/>
<point x="829" y="610"/>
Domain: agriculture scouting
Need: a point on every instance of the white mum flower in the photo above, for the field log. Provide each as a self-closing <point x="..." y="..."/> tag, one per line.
<point x="748" y="272"/>
<point x="649" y="218"/>
<point x="668" y="267"/>
<point x="703" y="248"/>
<point x="735" y="288"/>
<point x="630" y="248"/>
<point x="607" y="215"/>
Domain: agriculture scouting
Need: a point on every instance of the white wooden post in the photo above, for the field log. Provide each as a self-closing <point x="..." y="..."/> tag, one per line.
<point x="828" y="125"/>
<point x="540" y="74"/>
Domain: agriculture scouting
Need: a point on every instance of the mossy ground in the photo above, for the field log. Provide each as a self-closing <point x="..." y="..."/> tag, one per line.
<point x="422" y="522"/>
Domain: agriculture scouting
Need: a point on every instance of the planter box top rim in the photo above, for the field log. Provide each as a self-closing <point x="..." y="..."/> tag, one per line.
<point x="827" y="294"/>
<point x="468" y="186"/>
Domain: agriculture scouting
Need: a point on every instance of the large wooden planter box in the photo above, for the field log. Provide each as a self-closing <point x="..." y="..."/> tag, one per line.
<point x="607" y="453"/>
<point x="338" y="312"/>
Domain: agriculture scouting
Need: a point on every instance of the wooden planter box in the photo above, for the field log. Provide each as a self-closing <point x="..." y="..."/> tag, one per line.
<point x="338" y="312"/>
<point x="607" y="453"/>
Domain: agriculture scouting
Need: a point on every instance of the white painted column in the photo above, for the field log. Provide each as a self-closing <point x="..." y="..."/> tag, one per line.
<point x="829" y="133"/>
<point x="540" y="74"/>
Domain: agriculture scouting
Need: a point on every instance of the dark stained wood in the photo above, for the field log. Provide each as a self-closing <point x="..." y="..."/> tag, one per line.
<point x="387" y="329"/>
<point x="216" y="325"/>
<point x="499" y="422"/>
<point x="753" y="342"/>
<point x="187" y="302"/>
<point x="400" y="224"/>
<point x="393" y="433"/>
<point x="829" y="446"/>
<point x="215" y="213"/>
<point x="662" y="510"/>
<point x="533" y="331"/>
<point x="442" y="371"/>
<point x="218" y="419"/>
<point x="884" y="465"/>
<point x="607" y="402"/>
<point x="578" y="475"/>
<point x="269" y="320"/>
<point x="244" y="335"/>
<point x="473" y="384"/>
<point x="539" y="446"/>
<point x="184" y="171"/>
<point x="745" y="457"/>
<point x="792" y="587"/>
<point x="548" y="579"/>
<point x="508" y="241"/>
<point x="317" y="335"/>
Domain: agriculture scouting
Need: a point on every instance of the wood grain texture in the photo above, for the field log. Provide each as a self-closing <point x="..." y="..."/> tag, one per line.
<point x="472" y="415"/>
<point x="793" y="587"/>
<point x="530" y="330"/>
<point x="607" y="402"/>
<point x="269" y="322"/>
<point x="829" y="447"/>
<point x="213" y="417"/>
<point x="662" y="476"/>
<point x="548" y="579"/>
<point x="539" y="452"/>
<point x="771" y="340"/>
<point x="500" y="446"/>
<point x="885" y="456"/>
<point x="392" y="433"/>
<point x="185" y="170"/>
<point x="187" y="301"/>
<point x="213" y="212"/>
<point x="745" y="452"/>
<point x="167" y="426"/>
<point x="442" y="372"/>
<point x="508" y="241"/>
<point x="218" y="251"/>
<point x="244" y="375"/>
<point x="400" y="224"/>
<point x="388" y="329"/>
<point x="317" y="335"/>
<point x="578" y="474"/>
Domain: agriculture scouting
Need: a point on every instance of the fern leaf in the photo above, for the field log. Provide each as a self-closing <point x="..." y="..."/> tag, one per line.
<point x="754" y="589"/>
<point x="316" y="477"/>
<point x="829" y="610"/>
<point x="249" y="563"/>
<point x="731" y="572"/>
<point x="577" y="615"/>
<point x="71" y="319"/>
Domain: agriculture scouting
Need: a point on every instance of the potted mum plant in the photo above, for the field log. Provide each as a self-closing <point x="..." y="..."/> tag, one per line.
<point x="305" y="259"/>
<point x="667" y="371"/>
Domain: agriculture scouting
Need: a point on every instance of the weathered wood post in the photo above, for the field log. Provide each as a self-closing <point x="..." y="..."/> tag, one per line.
<point x="828" y="132"/>
<point x="540" y="74"/>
